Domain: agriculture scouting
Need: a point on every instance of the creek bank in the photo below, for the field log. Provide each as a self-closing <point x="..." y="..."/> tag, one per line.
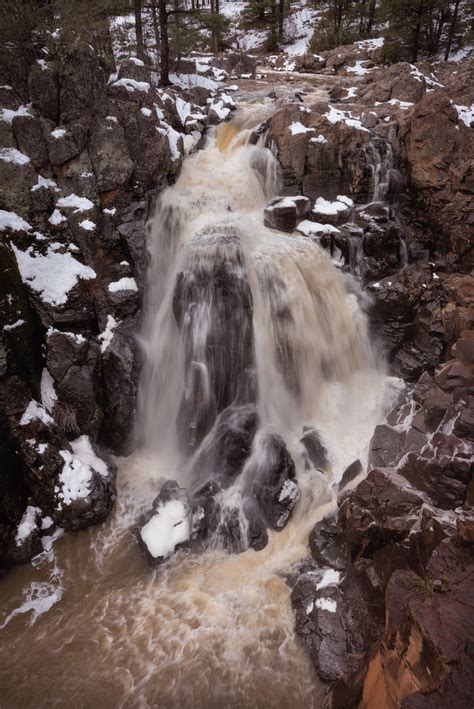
<point x="83" y="159"/>
<point x="397" y="554"/>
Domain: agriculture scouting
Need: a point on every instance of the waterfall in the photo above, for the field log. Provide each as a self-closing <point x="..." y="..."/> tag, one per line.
<point x="241" y="316"/>
<point x="260" y="384"/>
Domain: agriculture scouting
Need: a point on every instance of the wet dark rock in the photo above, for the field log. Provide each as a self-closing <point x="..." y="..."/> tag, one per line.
<point x="315" y="449"/>
<point x="218" y="285"/>
<point x="386" y="446"/>
<point x="29" y="137"/>
<point x="226" y="448"/>
<point x="326" y="543"/>
<point x="44" y="89"/>
<point x="76" y="367"/>
<point x="350" y="473"/>
<point x="270" y="478"/>
<point x="109" y="155"/>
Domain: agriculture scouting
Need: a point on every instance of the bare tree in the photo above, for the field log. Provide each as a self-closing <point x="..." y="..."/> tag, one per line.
<point x="137" y="6"/>
<point x="452" y="28"/>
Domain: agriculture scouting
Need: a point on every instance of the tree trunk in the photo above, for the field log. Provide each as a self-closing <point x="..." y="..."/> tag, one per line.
<point x="164" y="44"/>
<point x="281" y="16"/>
<point x="416" y="42"/>
<point x="370" y="21"/>
<point x="156" y="29"/>
<point x="451" y="30"/>
<point x="137" y="5"/>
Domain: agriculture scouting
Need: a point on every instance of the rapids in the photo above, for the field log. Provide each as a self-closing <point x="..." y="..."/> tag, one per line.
<point x="88" y="624"/>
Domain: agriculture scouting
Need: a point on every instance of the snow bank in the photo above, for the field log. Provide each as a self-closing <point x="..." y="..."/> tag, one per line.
<point x="166" y="529"/>
<point x="53" y="275"/>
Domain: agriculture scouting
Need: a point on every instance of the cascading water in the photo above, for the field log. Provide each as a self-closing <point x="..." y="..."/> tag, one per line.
<point x="244" y="327"/>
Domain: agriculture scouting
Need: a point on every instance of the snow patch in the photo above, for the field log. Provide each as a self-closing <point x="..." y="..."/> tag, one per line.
<point x="27" y="524"/>
<point x="106" y="337"/>
<point x="10" y="220"/>
<point x="296" y="128"/>
<point x="78" y="470"/>
<point x="132" y="85"/>
<point x="8" y="114"/>
<point x="166" y="529"/>
<point x="307" y="228"/>
<point x="79" y="204"/>
<point x="87" y="225"/>
<point x="53" y="275"/>
<point x="465" y="114"/>
<point x="13" y="326"/>
<point x="13" y="155"/>
<point x="45" y="183"/>
<point x="326" y="604"/>
<point x="123" y="284"/>
<point x="35" y="412"/>
<point x="48" y="392"/>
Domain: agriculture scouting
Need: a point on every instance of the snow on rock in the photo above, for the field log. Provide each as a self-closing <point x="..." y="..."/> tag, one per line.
<point x="51" y="275"/>
<point x="78" y="470"/>
<point x="330" y="577"/>
<point x="56" y="218"/>
<point x="359" y="69"/>
<point x="136" y="61"/>
<point x="465" y="114"/>
<point x="335" y="115"/>
<point x="35" y="412"/>
<point x="191" y="81"/>
<point x="324" y="206"/>
<point x="296" y="128"/>
<point x="8" y="114"/>
<point x="13" y="155"/>
<point x="326" y="604"/>
<point x="48" y="392"/>
<point x="132" y="85"/>
<point x="146" y="111"/>
<point x="87" y="225"/>
<point x="184" y="109"/>
<point x="58" y="133"/>
<point x="27" y="524"/>
<point x="318" y="139"/>
<point x="13" y="326"/>
<point x="110" y="210"/>
<point x="346" y="200"/>
<point x="307" y="228"/>
<point x="79" y="204"/>
<point x="368" y="44"/>
<point x="10" y="220"/>
<point x="123" y="284"/>
<point x="174" y="140"/>
<point x="106" y="337"/>
<point x="77" y="337"/>
<point x="45" y="183"/>
<point x="167" y="528"/>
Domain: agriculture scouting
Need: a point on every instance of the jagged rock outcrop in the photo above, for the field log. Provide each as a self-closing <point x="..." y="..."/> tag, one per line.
<point x="400" y="547"/>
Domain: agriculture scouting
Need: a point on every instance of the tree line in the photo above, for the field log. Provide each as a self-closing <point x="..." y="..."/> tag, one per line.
<point x="412" y="29"/>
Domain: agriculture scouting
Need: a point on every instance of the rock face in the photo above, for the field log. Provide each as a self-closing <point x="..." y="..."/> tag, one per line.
<point x="83" y="162"/>
<point x="401" y="544"/>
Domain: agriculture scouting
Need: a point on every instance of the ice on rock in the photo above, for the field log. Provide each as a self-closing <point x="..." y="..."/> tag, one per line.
<point x="168" y="527"/>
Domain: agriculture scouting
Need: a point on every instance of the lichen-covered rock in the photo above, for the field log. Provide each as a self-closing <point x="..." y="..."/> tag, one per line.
<point x="109" y="155"/>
